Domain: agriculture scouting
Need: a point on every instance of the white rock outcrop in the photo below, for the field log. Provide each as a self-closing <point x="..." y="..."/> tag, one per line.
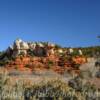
<point x="71" y="50"/>
<point x="20" y="47"/>
<point x="60" y="51"/>
<point x="36" y="48"/>
<point x="80" y="52"/>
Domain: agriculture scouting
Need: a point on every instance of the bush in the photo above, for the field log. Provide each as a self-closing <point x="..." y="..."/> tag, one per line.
<point x="4" y="62"/>
<point x="31" y="53"/>
<point x="27" y="65"/>
<point x="52" y="89"/>
<point x="50" y="63"/>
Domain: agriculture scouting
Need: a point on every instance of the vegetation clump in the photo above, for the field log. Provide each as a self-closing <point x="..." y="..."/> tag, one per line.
<point x="53" y="89"/>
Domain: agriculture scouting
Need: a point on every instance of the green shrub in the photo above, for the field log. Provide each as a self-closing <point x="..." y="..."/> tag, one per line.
<point x="27" y="65"/>
<point x="31" y="53"/>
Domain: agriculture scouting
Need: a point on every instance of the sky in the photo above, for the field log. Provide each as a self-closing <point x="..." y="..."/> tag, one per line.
<point x="69" y="23"/>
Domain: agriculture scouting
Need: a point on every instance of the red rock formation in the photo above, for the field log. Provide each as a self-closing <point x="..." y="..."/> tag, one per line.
<point x="30" y="64"/>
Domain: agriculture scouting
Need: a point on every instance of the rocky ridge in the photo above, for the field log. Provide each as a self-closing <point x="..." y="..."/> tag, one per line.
<point x="32" y="56"/>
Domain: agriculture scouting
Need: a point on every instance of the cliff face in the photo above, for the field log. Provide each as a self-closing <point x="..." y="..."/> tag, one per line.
<point x="29" y="56"/>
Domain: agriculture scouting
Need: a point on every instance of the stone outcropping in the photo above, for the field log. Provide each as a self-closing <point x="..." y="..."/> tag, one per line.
<point x="21" y="47"/>
<point x="40" y="49"/>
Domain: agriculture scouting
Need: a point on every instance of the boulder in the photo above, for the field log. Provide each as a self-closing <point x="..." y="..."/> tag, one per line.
<point x="40" y="45"/>
<point x="40" y="51"/>
<point x="71" y="50"/>
<point x="60" y="51"/>
<point x="20" y="47"/>
<point x="16" y="44"/>
<point x="24" y="45"/>
<point x="51" y="45"/>
<point x="80" y="52"/>
<point x="50" y="52"/>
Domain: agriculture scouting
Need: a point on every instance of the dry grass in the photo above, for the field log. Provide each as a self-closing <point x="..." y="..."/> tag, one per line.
<point x="52" y="89"/>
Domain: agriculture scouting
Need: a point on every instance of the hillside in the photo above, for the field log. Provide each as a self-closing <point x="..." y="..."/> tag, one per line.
<point x="31" y="67"/>
<point x="31" y="56"/>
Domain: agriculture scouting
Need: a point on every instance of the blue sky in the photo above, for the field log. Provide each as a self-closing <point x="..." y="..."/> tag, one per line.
<point x="66" y="22"/>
